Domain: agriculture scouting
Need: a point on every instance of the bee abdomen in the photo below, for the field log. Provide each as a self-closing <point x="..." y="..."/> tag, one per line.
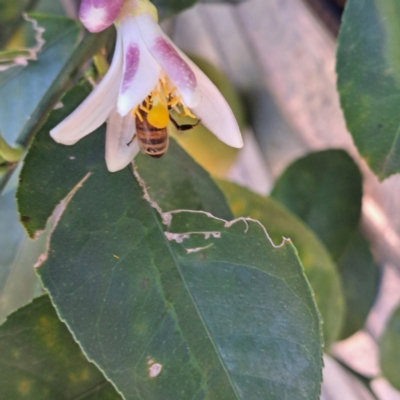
<point x="153" y="142"/>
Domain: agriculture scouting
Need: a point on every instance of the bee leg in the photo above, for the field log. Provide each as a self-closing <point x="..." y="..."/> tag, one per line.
<point x="185" y="127"/>
<point x="133" y="137"/>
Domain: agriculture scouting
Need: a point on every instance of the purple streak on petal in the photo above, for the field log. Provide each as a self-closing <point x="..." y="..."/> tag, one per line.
<point x="174" y="66"/>
<point x="132" y="59"/>
<point x="98" y="15"/>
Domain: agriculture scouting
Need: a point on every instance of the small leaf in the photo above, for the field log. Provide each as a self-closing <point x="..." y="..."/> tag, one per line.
<point x="368" y="68"/>
<point x="389" y="346"/>
<point x="324" y="189"/>
<point x="321" y="272"/>
<point x="360" y="279"/>
<point x="40" y="360"/>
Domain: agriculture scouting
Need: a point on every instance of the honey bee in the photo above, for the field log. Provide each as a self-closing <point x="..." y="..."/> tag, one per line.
<point x="152" y="140"/>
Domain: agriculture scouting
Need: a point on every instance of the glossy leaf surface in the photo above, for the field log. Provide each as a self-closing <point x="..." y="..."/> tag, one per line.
<point x="41" y="361"/>
<point x="324" y="189"/>
<point x="175" y="181"/>
<point x="321" y="271"/>
<point x="220" y="314"/>
<point x="368" y="68"/>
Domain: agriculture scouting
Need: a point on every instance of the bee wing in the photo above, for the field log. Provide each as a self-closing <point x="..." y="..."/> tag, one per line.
<point x="121" y="142"/>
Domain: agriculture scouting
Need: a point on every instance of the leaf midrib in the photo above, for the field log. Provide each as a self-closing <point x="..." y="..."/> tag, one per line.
<point x="155" y="215"/>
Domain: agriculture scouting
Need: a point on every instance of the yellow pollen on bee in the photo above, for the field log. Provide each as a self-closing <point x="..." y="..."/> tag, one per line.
<point x="158" y="116"/>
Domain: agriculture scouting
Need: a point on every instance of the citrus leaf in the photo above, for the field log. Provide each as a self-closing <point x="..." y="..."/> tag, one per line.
<point x="324" y="189"/>
<point x="40" y="360"/>
<point x="368" y="68"/>
<point x="176" y="181"/>
<point x="320" y="270"/>
<point x="199" y="308"/>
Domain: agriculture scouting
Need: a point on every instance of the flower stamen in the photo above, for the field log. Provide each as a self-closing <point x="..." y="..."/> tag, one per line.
<point x="157" y="105"/>
<point x="187" y="112"/>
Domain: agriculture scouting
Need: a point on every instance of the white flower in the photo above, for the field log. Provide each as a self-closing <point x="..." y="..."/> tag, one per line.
<point x="147" y="70"/>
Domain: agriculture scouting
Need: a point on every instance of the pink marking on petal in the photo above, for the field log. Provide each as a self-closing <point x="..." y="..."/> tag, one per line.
<point x="174" y="66"/>
<point x="132" y="58"/>
<point x="97" y="15"/>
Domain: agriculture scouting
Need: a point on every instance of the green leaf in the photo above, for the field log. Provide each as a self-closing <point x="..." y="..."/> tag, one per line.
<point x="389" y="347"/>
<point x="360" y="279"/>
<point x="175" y="181"/>
<point x="368" y="68"/>
<point x="321" y="272"/>
<point x="324" y="189"/>
<point x="168" y="8"/>
<point x="23" y="89"/>
<point x="11" y="17"/>
<point x="197" y="309"/>
<point x="40" y="360"/>
<point x="18" y="281"/>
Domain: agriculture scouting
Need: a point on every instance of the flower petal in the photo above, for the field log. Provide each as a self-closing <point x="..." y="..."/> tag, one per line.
<point x="141" y="71"/>
<point x="170" y="59"/>
<point x="121" y="143"/>
<point x="95" y="109"/>
<point x="97" y="15"/>
<point x="214" y="111"/>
